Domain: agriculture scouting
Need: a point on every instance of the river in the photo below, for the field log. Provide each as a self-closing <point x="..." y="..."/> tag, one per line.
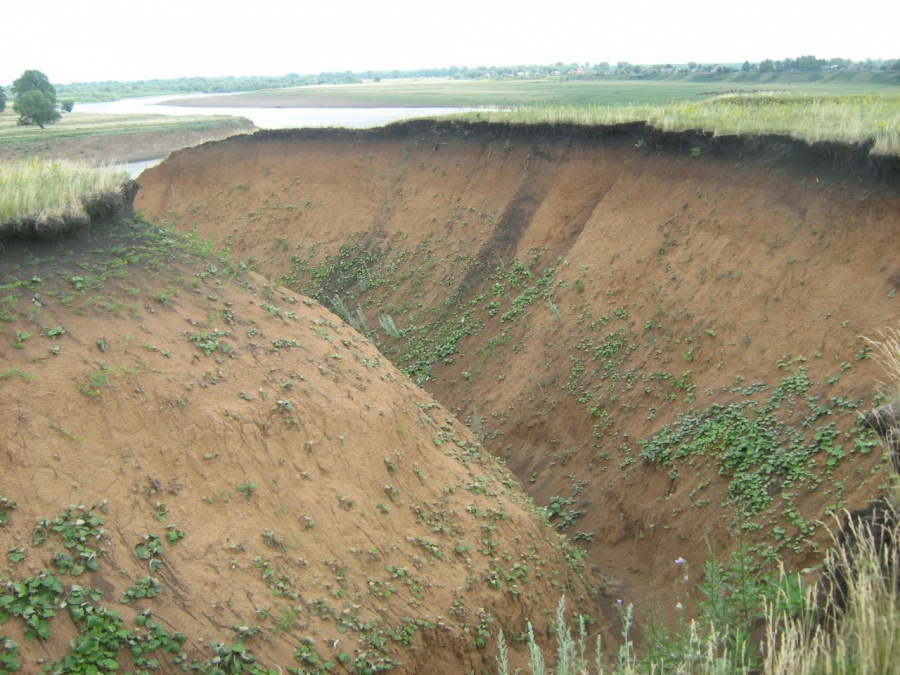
<point x="264" y="118"/>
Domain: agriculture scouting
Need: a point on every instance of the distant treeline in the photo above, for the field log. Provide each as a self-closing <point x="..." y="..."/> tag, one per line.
<point x="108" y="91"/>
<point x="87" y="92"/>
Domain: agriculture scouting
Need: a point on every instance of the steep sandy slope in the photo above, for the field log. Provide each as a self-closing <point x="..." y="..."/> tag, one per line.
<point x="244" y="479"/>
<point x="660" y="332"/>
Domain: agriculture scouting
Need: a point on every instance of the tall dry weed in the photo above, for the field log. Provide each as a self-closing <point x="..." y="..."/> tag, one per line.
<point x="42" y="190"/>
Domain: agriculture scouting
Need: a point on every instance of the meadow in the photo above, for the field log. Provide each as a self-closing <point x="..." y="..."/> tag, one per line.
<point x="848" y="109"/>
<point x="562" y="91"/>
<point x="84" y="124"/>
<point x="844" y="119"/>
<point x="108" y="137"/>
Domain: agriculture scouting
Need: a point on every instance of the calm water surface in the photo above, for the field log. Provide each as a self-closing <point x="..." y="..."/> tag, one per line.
<point x="264" y="118"/>
<point x="268" y="118"/>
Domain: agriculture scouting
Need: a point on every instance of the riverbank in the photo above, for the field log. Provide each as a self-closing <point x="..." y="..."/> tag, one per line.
<point x="113" y="139"/>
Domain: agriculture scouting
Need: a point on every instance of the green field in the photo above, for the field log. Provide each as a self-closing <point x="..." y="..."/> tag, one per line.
<point x="555" y="91"/>
<point x="67" y="138"/>
<point x="87" y="124"/>
<point x="846" y="107"/>
<point x="843" y="106"/>
<point x="845" y="119"/>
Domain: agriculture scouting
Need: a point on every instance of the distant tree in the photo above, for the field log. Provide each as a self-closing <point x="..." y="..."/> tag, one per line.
<point x="67" y="105"/>
<point x="35" y="99"/>
<point x="746" y="68"/>
<point x="32" y="79"/>
<point x="692" y="66"/>
<point x="2" y="100"/>
<point x="808" y="64"/>
<point x="35" y="107"/>
<point x="767" y="66"/>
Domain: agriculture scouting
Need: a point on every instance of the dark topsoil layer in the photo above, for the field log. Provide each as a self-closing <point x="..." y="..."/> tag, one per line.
<point x="851" y="161"/>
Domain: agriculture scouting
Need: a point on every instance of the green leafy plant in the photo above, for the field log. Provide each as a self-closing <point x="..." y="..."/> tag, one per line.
<point x="9" y="655"/>
<point x="147" y="587"/>
<point x="210" y="342"/>
<point x="247" y="489"/>
<point x="174" y="535"/>
<point x="81" y="529"/>
<point x="6" y="507"/>
<point x="34" y="600"/>
<point x="150" y="549"/>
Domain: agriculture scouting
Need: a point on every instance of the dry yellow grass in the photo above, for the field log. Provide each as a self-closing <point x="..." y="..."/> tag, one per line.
<point x="42" y="190"/>
<point x="846" y="119"/>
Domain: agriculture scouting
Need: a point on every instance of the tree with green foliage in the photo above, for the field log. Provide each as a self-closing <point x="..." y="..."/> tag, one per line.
<point x="2" y="100"/>
<point x="35" y="99"/>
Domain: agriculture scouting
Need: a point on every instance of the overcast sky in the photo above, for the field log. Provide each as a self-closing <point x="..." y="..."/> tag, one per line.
<point x="98" y="40"/>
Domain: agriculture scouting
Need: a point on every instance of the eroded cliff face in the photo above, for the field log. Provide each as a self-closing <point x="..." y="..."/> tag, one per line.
<point x="206" y="469"/>
<point x="660" y="333"/>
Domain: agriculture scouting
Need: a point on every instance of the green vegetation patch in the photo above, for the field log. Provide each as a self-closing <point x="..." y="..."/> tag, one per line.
<point x="763" y="449"/>
<point x="391" y="276"/>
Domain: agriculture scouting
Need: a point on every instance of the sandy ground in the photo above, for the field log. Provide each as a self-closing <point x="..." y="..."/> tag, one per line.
<point x="715" y="263"/>
<point x="324" y="495"/>
<point x="261" y="466"/>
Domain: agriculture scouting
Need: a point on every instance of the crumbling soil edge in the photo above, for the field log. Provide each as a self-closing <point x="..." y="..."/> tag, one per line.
<point x="98" y="209"/>
<point x="848" y="161"/>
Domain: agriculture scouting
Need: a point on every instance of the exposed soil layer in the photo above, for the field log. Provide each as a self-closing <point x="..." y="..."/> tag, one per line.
<point x="572" y="292"/>
<point x="239" y="476"/>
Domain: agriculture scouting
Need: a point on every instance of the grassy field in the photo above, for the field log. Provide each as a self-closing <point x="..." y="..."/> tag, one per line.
<point x="847" y="119"/>
<point x="474" y="93"/>
<point x="88" y="124"/>
<point x="846" y="109"/>
<point x="545" y="92"/>
<point x="68" y="137"/>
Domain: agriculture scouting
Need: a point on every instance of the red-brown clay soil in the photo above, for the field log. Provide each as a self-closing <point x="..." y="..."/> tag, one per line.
<point x="325" y="499"/>
<point x="715" y="260"/>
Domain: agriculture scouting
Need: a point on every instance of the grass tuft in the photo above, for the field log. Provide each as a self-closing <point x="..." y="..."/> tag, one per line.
<point x="887" y="353"/>
<point x="48" y="190"/>
<point x="866" y="634"/>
